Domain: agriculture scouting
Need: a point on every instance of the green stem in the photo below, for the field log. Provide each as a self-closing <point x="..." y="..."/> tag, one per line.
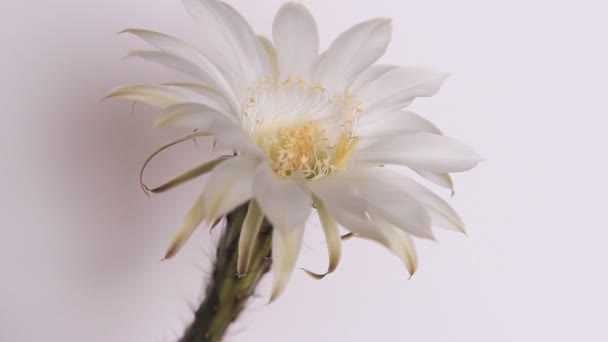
<point x="227" y="293"/>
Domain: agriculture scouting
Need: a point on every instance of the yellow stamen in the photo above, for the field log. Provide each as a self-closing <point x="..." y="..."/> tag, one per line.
<point x="315" y="148"/>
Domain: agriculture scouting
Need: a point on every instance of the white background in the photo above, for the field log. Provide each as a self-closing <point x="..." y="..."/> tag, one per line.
<point x="80" y="243"/>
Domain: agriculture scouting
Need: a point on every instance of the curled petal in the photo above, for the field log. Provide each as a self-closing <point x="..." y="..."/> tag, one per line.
<point x="164" y="147"/>
<point x="332" y="238"/>
<point x="188" y="175"/>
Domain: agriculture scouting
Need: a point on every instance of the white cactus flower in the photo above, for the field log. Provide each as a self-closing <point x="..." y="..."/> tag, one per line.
<point x="306" y="128"/>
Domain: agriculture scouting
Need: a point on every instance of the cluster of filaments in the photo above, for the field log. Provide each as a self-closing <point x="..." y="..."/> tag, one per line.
<point x="301" y="127"/>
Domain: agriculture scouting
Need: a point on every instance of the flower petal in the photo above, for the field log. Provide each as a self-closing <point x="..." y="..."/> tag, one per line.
<point x="398" y="87"/>
<point x="369" y="75"/>
<point x="347" y="206"/>
<point x="191" y="115"/>
<point x="271" y="54"/>
<point x="185" y="52"/>
<point x="173" y="62"/>
<point x="394" y="205"/>
<point x="193" y="219"/>
<point x="155" y="95"/>
<point x="152" y="155"/>
<point x="402" y="244"/>
<point x="226" y="30"/>
<point x="352" y="52"/>
<point x="229" y="185"/>
<point x="248" y="238"/>
<point x="231" y="137"/>
<point x="382" y="124"/>
<point x="343" y="199"/>
<point x="286" y="202"/>
<point x="332" y="238"/>
<point x="442" y="179"/>
<point x="202" y="94"/>
<point x="442" y="214"/>
<point x="195" y="87"/>
<point x="421" y="151"/>
<point x="186" y="176"/>
<point x="228" y="135"/>
<point x="286" y="245"/>
<point x="296" y="38"/>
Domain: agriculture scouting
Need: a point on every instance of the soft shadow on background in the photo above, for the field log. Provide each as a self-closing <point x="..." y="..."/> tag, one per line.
<point x="81" y="244"/>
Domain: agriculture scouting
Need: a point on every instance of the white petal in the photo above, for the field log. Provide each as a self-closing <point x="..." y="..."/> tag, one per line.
<point x="332" y="236"/>
<point x="228" y="186"/>
<point x="369" y="75"/>
<point x="352" y="52"/>
<point x="296" y="39"/>
<point x="345" y="202"/>
<point x="195" y="87"/>
<point x="186" y="52"/>
<point x="174" y="142"/>
<point x="395" y="205"/>
<point x="443" y="215"/>
<point x="155" y="95"/>
<point x="174" y="62"/>
<point x="202" y="94"/>
<point x="286" y="245"/>
<point x="228" y="135"/>
<point x="399" y="87"/>
<point x="193" y="219"/>
<point x="226" y="30"/>
<point x="382" y="124"/>
<point x="402" y="244"/>
<point x="249" y="234"/>
<point x="421" y="151"/>
<point x="286" y="202"/>
<point x="347" y="206"/>
<point x="191" y="115"/>
<point x="373" y="126"/>
<point x="187" y="176"/>
<point x="441" y="179"/>
<point x="232" y="137"/>
<point x="271" y="54"/>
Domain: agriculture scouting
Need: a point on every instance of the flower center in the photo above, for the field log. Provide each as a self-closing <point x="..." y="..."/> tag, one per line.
<point x="301" y="127"/>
